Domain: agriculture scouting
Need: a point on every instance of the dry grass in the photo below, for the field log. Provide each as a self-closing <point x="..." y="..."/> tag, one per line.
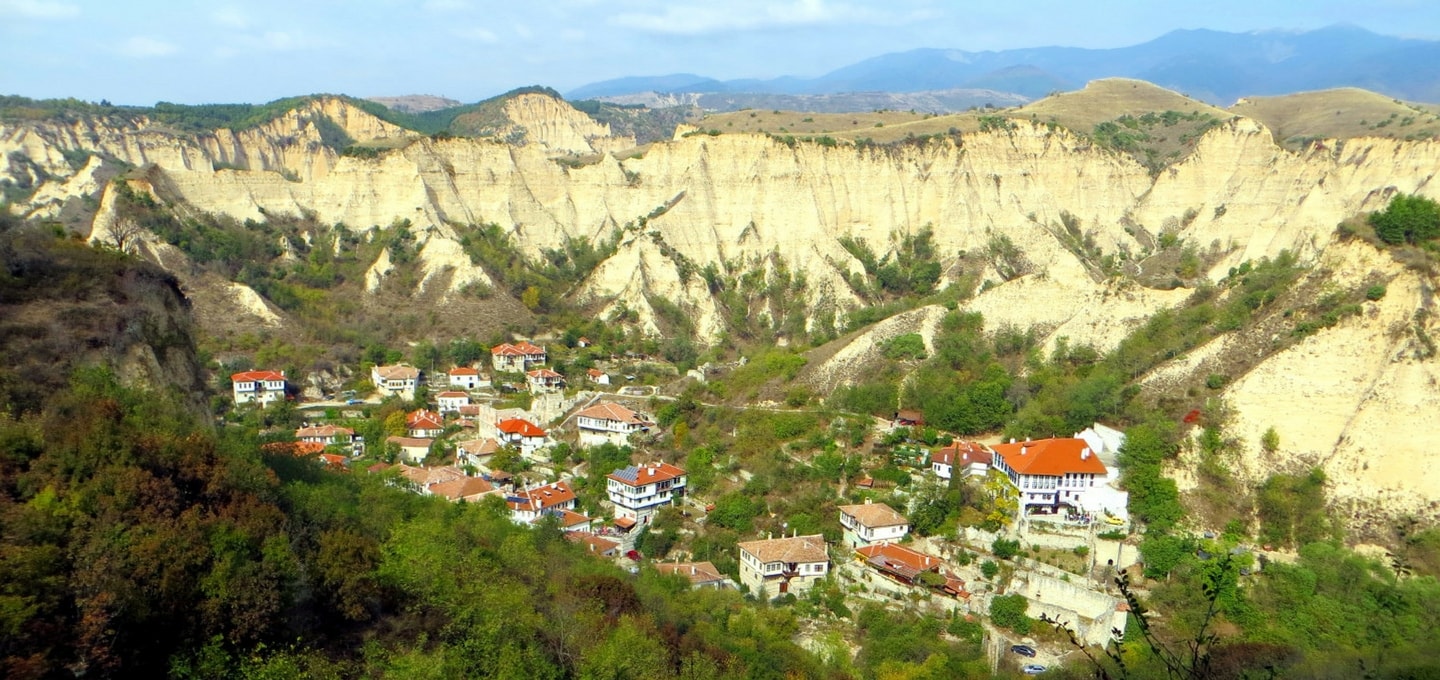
<point x="1108" y="99"/>
<point x="1339" y="114"/>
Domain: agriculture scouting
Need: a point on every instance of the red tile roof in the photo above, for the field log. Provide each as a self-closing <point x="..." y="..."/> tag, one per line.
<point x="875" y="515"/>
<point x="517" y="349"/>
<point x="256" y="376"/>
<point x="323" y="431"/>
<point x="612" y="411"/>
<point x="897" y="559"/>
<point x="451" y="394"/>
<point x="464" y="370"/>
<point x="334" y="459"/>
<point x="400" y="372"/>
<point x="793" y="549"/>
<point x="640" y="475"/>
<point x="462" y="489"/>
<point x="543" y="373"/>
<point x="594" y="372"/>
<point x="960" y="454"/>
<point x="1050" y="457"/>
<point x="697" y="572"/>
<point x="425" y="420"/>
<point x="521" y="427"/>
<point x="548" y="496"/>
<point x="595" y="544"/>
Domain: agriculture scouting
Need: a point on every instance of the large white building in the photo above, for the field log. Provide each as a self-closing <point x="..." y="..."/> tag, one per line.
<point x="392" y="381"/>
<point x="609" y="422"/>
<point x="259" y="387"/>
<point x="1056" y="473"/>
<point x="774" y="567"/>
<point x="868" y="523"/>
<point x="639" y="491"/>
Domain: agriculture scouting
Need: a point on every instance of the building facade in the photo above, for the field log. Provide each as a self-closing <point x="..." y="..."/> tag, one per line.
<point x="258" y="387"/>
<point x="779" y="566"/>
<point x="639" y="491"/>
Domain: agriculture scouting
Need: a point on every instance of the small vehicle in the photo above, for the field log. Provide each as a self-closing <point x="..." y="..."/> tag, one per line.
<point x="1023" y="650"/>
<point x="1032" y="669"/>
<point x="352" y="402"/>
<point x="633" y="555"/>
<point x="1114" y="520"/>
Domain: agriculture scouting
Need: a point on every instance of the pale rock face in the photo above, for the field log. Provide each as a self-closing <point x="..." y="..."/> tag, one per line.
<point x="51" y="197"/>
<point x="840" y="368"/>
<point x="375" y="275"/>
<point x="557" y="126"/>
<point x="247" y="299"/>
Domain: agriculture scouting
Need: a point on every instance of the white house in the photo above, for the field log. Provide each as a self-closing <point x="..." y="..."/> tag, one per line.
<point x="325" y="434"/>
<point x="868" y="523"/>
<point x="529" y="504"/>
<point x="393" y="381"/>
<point x="1058" y="472"/>
<point x="598" y="376"/>
<point x="517" y="357"/>
<point x="700" y="574"/>
<point x="423" y="423"/>
<point x="609" y="422"/>
<point x="464" y="377"/>
<point x="639" y="491"/>
<point x="476" y="452"/>
<point x="522" y="434"/>
<point x="774" y="567"/>
<point x="260" y="387"/>
<point x="544" y="380"/>
<point x="451" y="401"/>
<point x="968" y="459"/>
<point x="412" y="449"/>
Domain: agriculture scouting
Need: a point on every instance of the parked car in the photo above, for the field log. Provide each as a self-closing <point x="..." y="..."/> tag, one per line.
<point x="1032" y="669"/>
<point x="1023" y="650"/>
<point x="633" y="555"/>
<point x="352" y="402"/>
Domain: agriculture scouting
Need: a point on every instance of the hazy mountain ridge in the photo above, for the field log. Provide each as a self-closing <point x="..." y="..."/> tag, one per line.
<point x="742" y="203"/>
<point x="1215" y="66"/>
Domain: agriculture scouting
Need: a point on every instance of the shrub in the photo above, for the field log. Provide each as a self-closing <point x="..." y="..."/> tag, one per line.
<point x="1375" y="292"/>
<point x="1004" y="548"/>
<point x="1008" y="611"/>
<point x="989" y="569"/>
<point x="1215" y="381"/>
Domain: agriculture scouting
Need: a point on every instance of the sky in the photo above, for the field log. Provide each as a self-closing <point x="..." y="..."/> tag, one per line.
<point x="208" y="51"/>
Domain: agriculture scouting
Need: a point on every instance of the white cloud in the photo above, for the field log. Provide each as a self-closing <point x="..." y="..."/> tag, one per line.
<point x="39" y="9"/>
<point x="708" y="17"/>
<point x="477" y="34"/>
<point x="231" y="17"/>
<point x="142" y="47"/>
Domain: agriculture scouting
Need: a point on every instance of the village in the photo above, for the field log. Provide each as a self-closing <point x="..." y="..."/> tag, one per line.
<point x="1060" y="541"/>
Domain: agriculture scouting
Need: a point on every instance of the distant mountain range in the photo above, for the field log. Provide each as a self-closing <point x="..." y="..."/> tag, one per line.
<point x="1213" y="66"/>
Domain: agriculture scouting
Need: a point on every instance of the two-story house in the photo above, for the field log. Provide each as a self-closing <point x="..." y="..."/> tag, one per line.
<point x="868" y="523"/>
<point x="522" y="434"/>
<point x="544" y="380"/>
<point x="516" y="358"/>
<point x="426" y="424"/>
<point x="395" y="381"/>
<point x="464" y="377"/>
<point x="1051" y="473"/>
<point x="609" y="422"/>
<point x="258" y="387"/>
<point x="700" y="574"/>
<point x="639" y="491"/>
<point x="774" y="567"/>
<point x="451" y="401"/>
<point x="528" y="505"/>
<point x="966" y="459"/>
<point x="325" y="434"/>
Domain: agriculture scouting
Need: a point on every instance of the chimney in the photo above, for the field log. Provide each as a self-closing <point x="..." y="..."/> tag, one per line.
<point x="1084" y="453"/>
<point x="1012" y="440"/>
<point x="692" y="570"/>
<point x="868" y="501"/>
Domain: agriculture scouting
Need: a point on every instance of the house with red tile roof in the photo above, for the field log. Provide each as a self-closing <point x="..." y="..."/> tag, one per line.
<point x="258" y="387"/>
<point x="967" y="459"/>
<point x="325" y="434"/>
<point x="412" y="449"/>
<point x="516" y="358"/>
<point x="1053" y="473"/>
<point x="476" y="452"/>
<point x="544" y="380"/>
<point x="597" y="377"/>
<point x="569" y="520"/>
<point x="777" y="566"/>
<point x="522" y="434"/>
<point x="868" y="522"/>
<point x="334" y="461"/>
<point x="395" y="381"/>
<point x="609" y="422"/>
<point x="898" y="562"/>
<point x="595" y="545"/>
<point x="468" y="489"/>
<point x="639" y="491"/>
<point x="527" y="505"/>
<point x="424" y="423"/>
<point x="700" y="574"/>
<point x="465" y="378"/>
<point x="451" y="401"/>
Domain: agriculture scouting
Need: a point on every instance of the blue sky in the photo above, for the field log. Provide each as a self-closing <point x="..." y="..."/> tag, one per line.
<point x="197" y="51"/>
